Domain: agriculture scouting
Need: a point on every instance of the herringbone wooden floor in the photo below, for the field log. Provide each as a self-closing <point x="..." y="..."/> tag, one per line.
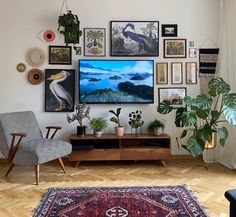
<point x="19" y="196"/>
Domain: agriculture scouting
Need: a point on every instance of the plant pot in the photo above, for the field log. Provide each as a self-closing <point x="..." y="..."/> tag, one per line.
<point x="81" y="131"/>
<point x="98" y="133"/>
<point x="119" y="131"/>
<point x="158" y="131"/>
<point x="209" y="144"/>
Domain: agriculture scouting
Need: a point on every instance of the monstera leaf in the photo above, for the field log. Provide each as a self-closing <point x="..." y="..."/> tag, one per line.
<point x="193" y="146"/>
<point x="223" y="133"/>
<point x="188" y="119"/>
<point x="203" y="102"/>
<point x="164" y="107"/>
<point x="230" y="108"/>
<point x="218" y="86"/>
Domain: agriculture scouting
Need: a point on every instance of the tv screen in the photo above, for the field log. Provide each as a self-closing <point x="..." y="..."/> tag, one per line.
<point x="116" y="81"/>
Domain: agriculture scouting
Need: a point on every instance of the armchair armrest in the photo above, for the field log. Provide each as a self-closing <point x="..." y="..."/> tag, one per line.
<point x="49" y="128"/>
<point x="14" y="147"/>
<point x="231" y="197"/>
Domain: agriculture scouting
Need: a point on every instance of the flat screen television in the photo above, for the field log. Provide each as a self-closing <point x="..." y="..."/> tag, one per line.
<point x="116" y="81"/>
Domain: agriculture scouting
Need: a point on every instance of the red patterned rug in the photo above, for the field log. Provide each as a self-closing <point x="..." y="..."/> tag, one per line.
<point x="169" y="201"/>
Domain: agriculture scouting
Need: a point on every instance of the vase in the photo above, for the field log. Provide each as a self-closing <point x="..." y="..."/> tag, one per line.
<point x="81" y="131"/>
<point x="158" y="131"/>
<point x="119" y="131"/>
<point x="209" y="144"/>
<point x="98" y="133"/>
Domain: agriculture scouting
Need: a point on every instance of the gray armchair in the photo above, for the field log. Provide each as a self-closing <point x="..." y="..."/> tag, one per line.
<point x="22" y="142"/>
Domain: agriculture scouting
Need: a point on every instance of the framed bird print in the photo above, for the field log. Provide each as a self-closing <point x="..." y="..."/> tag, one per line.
<point x="59" y="90"/>
<point x="134" y="38"/>
<point x="94" y="42"/>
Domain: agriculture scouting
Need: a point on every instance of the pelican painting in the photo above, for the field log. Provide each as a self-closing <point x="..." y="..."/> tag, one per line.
<point x="135" y="38"/>
<point x="59" y="90"/>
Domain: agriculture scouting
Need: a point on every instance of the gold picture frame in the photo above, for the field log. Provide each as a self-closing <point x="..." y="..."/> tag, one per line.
<point x="177" y="73"/>
<point x="162" y="73"/>
<point x="191" y="72"/>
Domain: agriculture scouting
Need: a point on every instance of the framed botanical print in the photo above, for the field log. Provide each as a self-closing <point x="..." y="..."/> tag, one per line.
<point x="169" y="30"/>
<point x="60" y="55"/>
<point x="162" y="73"/>
<point x="94" y="42"/>
<point x="134" y="38"/>
<point x="175" y="48"/>
<point x="191" y="73"/>
<point x="174" y="95"/>
<point x="176" y="73"/>
<point x="59" y="90"/>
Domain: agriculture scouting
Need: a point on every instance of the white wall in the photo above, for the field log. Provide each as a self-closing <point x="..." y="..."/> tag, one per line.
<point x="22" y="20"/>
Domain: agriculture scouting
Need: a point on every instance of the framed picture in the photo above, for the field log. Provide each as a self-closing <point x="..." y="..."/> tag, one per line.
<point x="60" y="55"/>
<point x="94" y="42"/>
<point x="192" y="52"/>
<point x="175" y="48"/>
<point x="191" y="73"/>
<point x="169" y="30"/>
<point x="174" y="95"/>
<point x="162" y="73"/>
<point x="176" y="73"/>
<point x="59" y="90"/>
<point x="134" y="38"/>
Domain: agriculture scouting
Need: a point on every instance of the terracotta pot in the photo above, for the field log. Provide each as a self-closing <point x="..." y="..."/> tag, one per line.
<point x="119" y="131"/>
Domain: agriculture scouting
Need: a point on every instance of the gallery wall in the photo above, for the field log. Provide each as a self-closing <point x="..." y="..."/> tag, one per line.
<point x="21" y="22"/>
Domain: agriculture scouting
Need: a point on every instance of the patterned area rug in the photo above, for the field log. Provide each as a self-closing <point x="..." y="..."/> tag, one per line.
<point x="169" y="201"/>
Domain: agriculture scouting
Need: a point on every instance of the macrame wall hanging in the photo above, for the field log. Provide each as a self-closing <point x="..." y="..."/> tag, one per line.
<point x="207" y="64"/>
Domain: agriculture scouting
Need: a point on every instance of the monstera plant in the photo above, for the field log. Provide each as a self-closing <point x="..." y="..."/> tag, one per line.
<point x="204" y="115"/>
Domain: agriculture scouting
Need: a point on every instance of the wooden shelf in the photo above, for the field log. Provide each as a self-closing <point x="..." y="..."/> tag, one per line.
<point x="127" y="147"/>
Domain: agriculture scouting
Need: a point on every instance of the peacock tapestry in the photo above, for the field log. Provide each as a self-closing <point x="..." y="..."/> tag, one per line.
<point x="59" y="90"/>
<point x="134" y="38"/>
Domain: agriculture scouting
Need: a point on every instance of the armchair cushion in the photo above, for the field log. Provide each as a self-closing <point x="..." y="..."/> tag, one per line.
<point x="38" y="151"/>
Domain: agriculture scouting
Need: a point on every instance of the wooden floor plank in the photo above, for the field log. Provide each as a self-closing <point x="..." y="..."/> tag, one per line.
<point x="19" y="195"/>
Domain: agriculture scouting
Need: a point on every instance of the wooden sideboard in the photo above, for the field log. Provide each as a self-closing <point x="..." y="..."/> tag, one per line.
<point x="127" y="147"/>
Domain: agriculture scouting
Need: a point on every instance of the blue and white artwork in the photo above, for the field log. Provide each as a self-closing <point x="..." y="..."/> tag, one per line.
<point x="116" y="81"/>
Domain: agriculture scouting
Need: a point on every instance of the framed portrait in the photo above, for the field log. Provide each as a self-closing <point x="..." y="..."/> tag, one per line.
<point x="191" y="73"/>
<point x="60" y="55"/>
<point x="94" y="42"/>
<point x="176" y="73"/>
<point x="192" y="52"/>
<point x="175" y="48"/>
<point x="134" y="38"/>
<point x="162" y="73"/>
<point x="174" y="95"/>
<point x="59" y="90"/>
<point x="169" y="30"/>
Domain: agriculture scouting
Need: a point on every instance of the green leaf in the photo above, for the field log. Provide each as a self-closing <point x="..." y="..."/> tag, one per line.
<point x="204" y="133"/>
<point x="164" y="107"/>
<point x="215" y="114"/>
<point x="193" y="146"/>
<point x="223" y="134"/>
<point x="183" y="134"/>
<point x="188" y="119"/>
<point x="114" y="119"/>
<point x="218" y="86"/>
<point x="203" y="114"/>
<point x="178" y="116"/>
<point x="118" y="112"/>
<point x="203" y="102"/>
<point x="190" y="102"/>
<point x="230" y="108"/>
<point x="111" y="111"/>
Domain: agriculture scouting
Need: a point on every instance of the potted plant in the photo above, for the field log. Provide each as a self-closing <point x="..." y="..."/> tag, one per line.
<point x="135" y="120"/>
<point x="203" y="116"/>
<point x="70" y="24"/>
<point x="81" y="112"/>
<point x="156" y="127"/>
<point x="119" y="129"/>
<point x="98" y="125"/>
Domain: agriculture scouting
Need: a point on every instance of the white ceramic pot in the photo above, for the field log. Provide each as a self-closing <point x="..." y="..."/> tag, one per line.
<point x="98" y="134"/>
<point x="158" y="131"/>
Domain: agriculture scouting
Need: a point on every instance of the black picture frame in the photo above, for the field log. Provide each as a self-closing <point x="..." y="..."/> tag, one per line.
<point x="134" y="38"/>
<point x="174" y="95"/>
<point x="60" y="55"/>
<point x="169" y="30"/>
<point x="59" y="90"/>
<point x="95" y="42"/>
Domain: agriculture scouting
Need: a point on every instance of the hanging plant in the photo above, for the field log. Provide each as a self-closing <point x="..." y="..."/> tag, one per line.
<point x="69" y="26"/>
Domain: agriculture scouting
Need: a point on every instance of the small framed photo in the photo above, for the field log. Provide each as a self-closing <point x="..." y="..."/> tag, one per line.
<point x="94" y="42"/>
<point x="192" y="52"/>
<point x="174" y="95"/>
<point x="191" y="73"/>
<point x="176" y="73"/>
<point x="162" y="73"/>
<point x="134" y="38"/>
<point x="169" y="30"/>
<point x="60" y="55"/>
<point x="59" y="90"/>
<point x="175" y="48"/>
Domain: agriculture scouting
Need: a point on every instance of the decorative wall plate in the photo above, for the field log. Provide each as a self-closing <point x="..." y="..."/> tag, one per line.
<point x="35" y="57"/>
<point x="49" y="35"/>
<point x="35" y="76"/>
<point x="21" y="67"/>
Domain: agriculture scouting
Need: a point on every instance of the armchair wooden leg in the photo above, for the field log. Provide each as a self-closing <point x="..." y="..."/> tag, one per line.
<point x="9" y="169"/>
<point x="37" y="173"/>
<point x="62" y="165"/>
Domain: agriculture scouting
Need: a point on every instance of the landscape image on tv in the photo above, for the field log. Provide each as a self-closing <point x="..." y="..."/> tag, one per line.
<point x="116" y="81"/>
